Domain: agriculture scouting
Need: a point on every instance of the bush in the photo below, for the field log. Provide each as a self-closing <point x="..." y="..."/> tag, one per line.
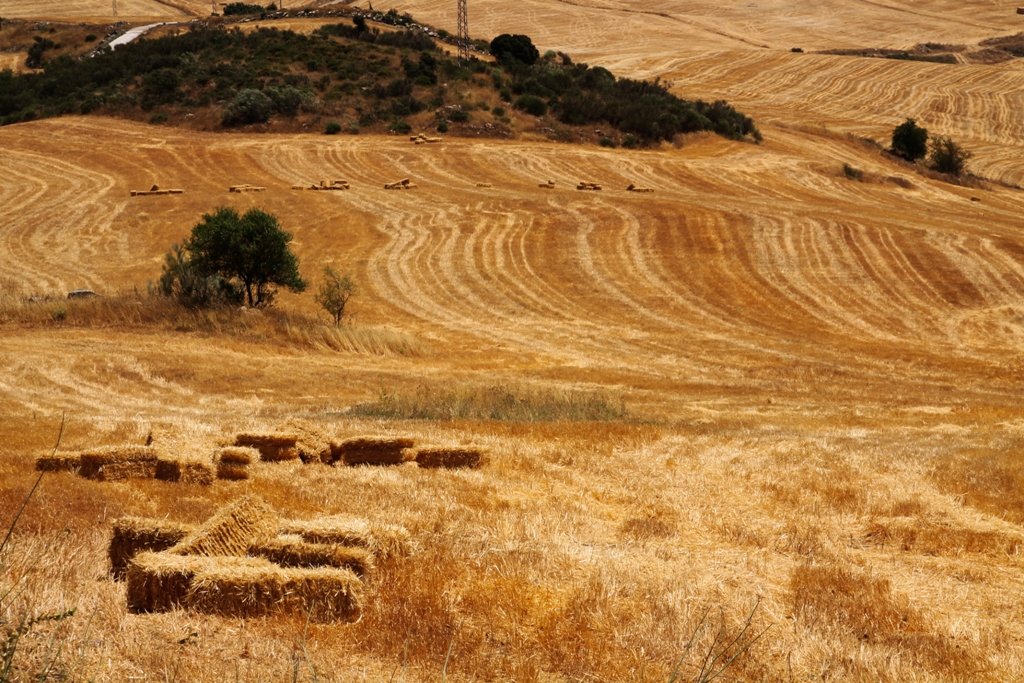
<point x="334" y="293"/>
<point x="183" y="280"/>
<point x="90" y="37"/>
<point x="514" y="48"/>
<point x="400" y="127"/>
<point x="606" y="142"/>
<point x="909" y="140"/>
<point x="333" y="128"/>
<point x="250" y="106"/>
<point x="442" y="126"/>
<point x="531" y="105"/>
<point x="459" y="116"/>
<point x="286" y="99"/>
<point x="948" y="157"/>
<point x="158" y="118"/>
<point x="236" y="8"/>
<point x="498" y="111"/>
<point x="629" y="142"/>
<point x="250" y="250"/>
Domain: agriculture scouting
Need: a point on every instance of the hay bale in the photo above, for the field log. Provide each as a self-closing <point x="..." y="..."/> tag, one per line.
<point x="232" y="471"/>
<point x="115" y="463"/>
<point x="238" y="455"/>
<point x="370" y="451"/>
<point x="184" y="471"/>
<point x="449" y="458"/>
<point x="234" y="590"/>
<point x="273" y="446"/>
<point x="158" y="582"/>
<point x="298" y="187"/>
<point x="483" y="184"/>
<point x="292" y="551"/>
<point x="383" y="541"/>
<point x="248" y="521"/>
<point x="134" y="535"/>
<point x="312" y="443"/>
<point x="59" y="462"/>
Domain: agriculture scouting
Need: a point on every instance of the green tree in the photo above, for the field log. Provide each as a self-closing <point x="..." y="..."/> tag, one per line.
<point x="910" y="140"/>
<point x="948" y="157"/>
<point x="335" y="292"/>
<point x="251" y="250"/>
<point x="183" y="280"/>
<point x="250" y="106"/>
<point x="514" y="48"/>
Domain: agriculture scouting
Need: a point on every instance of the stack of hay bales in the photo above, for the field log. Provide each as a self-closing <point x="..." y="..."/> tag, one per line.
<point x="449" y="458"/>
<point x="59" y="462"/>
<point x="233" y="462"/>
<point x="246" y="188"/>
<point x="182" y="471"/>
<point x="588" y="186"/>
<point x="154" y="191"/>
<point x="634" y="188"/>
<point x="115" y="463"/>
<point x="273" y="446"/>
<point x="549" y="185"/>
<point x="403" y="184"/>
<point x="237" y="564"/>
<point x="382" y="541"/>
<point x="326" y="185"/>
<point x="370" y="451"/>
<point x="312" y="444"/>
<point x="134" y="535"/>
<point x="423" y="139"/>
<point x="483" y="185"/>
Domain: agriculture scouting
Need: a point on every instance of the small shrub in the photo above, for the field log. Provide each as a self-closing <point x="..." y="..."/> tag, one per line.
<point x="910" y="140"/>
<point x="400" y="127"/>
<point x="948" y="157"/>
<point x="532" y="105"/>
<point x="158" y="118"/>
<point x="852" y="173"/>
<point x="629" y="142"/>
<point x="251" y="106"/>
<point x="236" y="8"/>
<point x="59" y="315"/>
<point x="442" y="126"/>
<point x="607" y="142"/>
<point x="333" y="128"/>
<point x="90" y="37"/>
<point x="335" y="293"/>
<point x="459" y="116"/>
<point x="498" y="112"/>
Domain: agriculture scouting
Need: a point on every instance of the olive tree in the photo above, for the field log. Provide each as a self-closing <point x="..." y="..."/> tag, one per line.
<point x="247" y="254"/>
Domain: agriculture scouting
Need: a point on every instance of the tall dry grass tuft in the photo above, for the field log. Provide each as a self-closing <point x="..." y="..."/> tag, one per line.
<point x="858" y="607"/>
<point x="501" y="402"/>
<point x="136" y="310"/>
<point x="991" y="481"/>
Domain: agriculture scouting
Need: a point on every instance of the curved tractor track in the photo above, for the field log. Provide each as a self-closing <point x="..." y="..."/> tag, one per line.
<point x="747" y="262"/>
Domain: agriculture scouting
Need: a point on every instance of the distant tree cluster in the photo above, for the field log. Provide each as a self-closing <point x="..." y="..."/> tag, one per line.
<point x="911" y="142"/>
<point x="237" y="8"/>
<point x="577" y="94"/>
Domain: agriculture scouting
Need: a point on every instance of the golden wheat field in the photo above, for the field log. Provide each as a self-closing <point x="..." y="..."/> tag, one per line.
<point x="807" y="462"/>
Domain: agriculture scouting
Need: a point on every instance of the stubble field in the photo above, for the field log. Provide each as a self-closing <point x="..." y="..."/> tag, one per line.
<point x="822" y="377"/>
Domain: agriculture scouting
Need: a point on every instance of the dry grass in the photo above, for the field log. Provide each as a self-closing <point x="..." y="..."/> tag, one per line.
<point x="138" y="312"/>
<point x="514" y="404"/>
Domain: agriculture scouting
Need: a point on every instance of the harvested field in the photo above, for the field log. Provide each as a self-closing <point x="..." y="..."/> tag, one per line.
<point x="821" y="377"/>
<point x="134" y="535"/>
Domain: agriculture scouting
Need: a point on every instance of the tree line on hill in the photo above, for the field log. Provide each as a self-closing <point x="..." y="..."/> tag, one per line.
<point x="346" y="70"/>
